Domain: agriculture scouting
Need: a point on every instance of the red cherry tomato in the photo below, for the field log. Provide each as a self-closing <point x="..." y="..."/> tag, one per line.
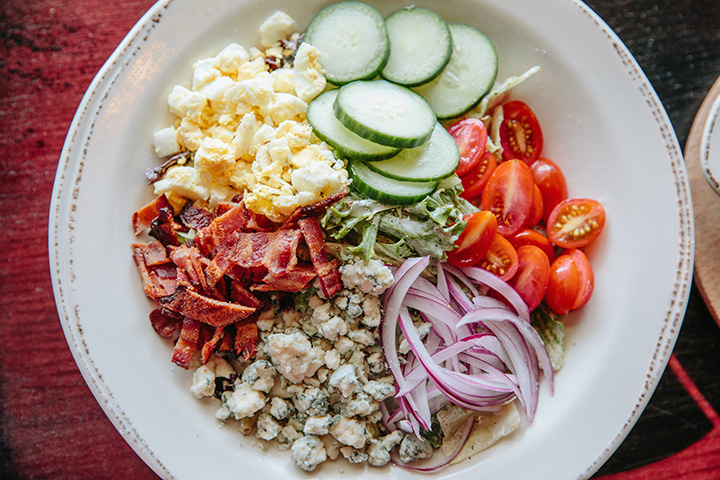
<point x="528" y="236"/>
<point x="536" y="211"/>
<point x="501" y="259"/>
<point x="551" y="181"/>
<point x="474" y="242"/>
<point x="509" y="196"/>
<point x="475" y="180"/>
<point x="571" y="282"/>
<point x="520" y="133"/>
<point x="575" y="222"/>
<point x="470" y="135"/>
<point x="533" y="274"/>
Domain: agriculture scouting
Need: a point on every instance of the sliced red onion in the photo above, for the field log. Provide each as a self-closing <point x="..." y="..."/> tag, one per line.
<point x="493" y="281"/>
<point x="479" y="371"/>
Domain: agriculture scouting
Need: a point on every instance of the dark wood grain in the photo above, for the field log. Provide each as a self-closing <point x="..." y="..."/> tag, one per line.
<point x="50" y="424"/>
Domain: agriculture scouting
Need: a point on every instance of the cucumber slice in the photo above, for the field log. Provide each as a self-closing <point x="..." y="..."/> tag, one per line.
<point x="352" y="40"/>
<point x="436" y="159"/>
<point x="386" y="190"/>
<point x="385" y="113"/>
<point x="420" y="46"/>
<point x="331" y="131"/>
<point x="467" y="78"/>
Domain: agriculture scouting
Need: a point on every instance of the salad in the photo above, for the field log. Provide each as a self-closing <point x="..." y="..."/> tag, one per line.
<point x="356" y="243"/>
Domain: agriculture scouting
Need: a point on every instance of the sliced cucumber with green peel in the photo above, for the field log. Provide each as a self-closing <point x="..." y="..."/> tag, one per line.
<point x="329" y="129"/>
<point x="386" y="190"/>
<point x="467" y="78"/>
<point x="420" y="46"/>
<point x="385" y="113"/>
<point x="436" y="159"/>
<point x="352" y="39"/>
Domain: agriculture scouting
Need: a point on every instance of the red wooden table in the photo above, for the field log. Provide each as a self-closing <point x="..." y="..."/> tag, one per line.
<point x="50" y="424"/>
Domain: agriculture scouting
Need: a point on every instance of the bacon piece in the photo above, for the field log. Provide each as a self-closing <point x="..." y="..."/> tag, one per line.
<point x="155" y="253"/>
<point x="242" y="295"/>
<point x="187" y="343"/>
<point x="165" y="228"/>
<point x="188" y="259"/>
<point x="209" y="346"/>
<point x="260" y="223"/>
<point x="245" y="250"/>
<point x="281" y="252"/>
<point x="142" y="219"/>
<point x="165" y="325"/>
<point x="205" y="309"/>
<point x="167" y="277"/>
<point x="194" y="217"/>
<point x="294" y="281"/>
<point x="152" y="285"/>
<point x="211" y="237"/>
<point x="227" y="342"/>
<point x="246" y="339"/>
<point x="311" y="210"/>
<point x="328" y="273"/>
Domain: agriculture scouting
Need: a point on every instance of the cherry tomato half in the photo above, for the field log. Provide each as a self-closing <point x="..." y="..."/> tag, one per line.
<point x="575" y="222"/>
<point x="509" y="196"/>
<point x="528" y="236"/>
<point x="536" y="211"/>
<point x="533" y="274"/>
<point x="571" y="282"/>
<point x="471" y="136"/>
<point x="475" y="180"/>
<point x="474" y="242"/>
<point x="501" y="259"/>
<point x="551" y="182"/>
<point x="520" y="134"/>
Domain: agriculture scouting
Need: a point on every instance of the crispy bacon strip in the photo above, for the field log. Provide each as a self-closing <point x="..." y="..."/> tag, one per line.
<point x="246" y="339"/>
<point x="281" y="252"/>
<point x="165" y="228"/>
<point x="294" y="281"/>
<point x="155" y="253"/>
<point x="215" y="313"/>
<point x="188" y="259"/>
<point x="242" y="295"/>
<point x="245" y="250"/>
<point x="311" y="210"/>
<point x="152" y="286"/>
<point x="142" y="219"/>
<point x="260" y="223"/>
<point x="211" y="237"/>
<point x="187" y="343"/>
<point x="328" y="274"/>
<point x="192" y="216"/>
<point x="165" y="325"/>
<point x="209" y="346"/>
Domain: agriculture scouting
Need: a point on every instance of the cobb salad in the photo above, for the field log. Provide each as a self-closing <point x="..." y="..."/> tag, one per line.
<point x="356" y="244"/>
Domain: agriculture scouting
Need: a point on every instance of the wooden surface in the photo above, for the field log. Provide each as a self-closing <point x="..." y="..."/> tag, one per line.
<point x="50" y="424"/>
<point x="706" y="210"/>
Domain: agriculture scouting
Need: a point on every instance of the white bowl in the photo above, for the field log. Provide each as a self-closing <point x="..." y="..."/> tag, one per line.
<point x="602" y="122"/>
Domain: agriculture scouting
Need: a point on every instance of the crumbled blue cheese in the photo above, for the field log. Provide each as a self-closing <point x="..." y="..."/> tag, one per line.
<point x="267" y="427"/>
<point x="373" y="277"/>
<point x="412" y="448"/>
<point x="344" y="379"/>
<point x="350" y="431"/>
<point x="308" y="452"/>
<point x="245" y="401"/>
<point x="294" y="356"/>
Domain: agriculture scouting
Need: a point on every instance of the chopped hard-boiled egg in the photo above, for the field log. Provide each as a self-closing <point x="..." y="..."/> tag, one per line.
<point x="246" y="124"/>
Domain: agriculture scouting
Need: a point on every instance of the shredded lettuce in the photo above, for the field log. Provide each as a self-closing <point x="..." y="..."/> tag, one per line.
<point x="429" y="227"/>
<point x="552" y="333"/>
